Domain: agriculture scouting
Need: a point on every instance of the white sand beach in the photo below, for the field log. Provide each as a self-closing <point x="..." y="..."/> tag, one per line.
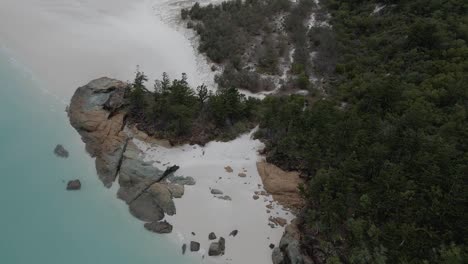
<point x="201" y="212"/>
<point x="64" y="44"/>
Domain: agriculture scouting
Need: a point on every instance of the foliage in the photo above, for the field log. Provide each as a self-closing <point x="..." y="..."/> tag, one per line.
<point x="386" y="155"/>
<point x="176" y="111"/>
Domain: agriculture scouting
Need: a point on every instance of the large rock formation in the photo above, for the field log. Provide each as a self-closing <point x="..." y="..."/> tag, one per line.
<point x="95" y="113"/>
<point x="282" y="185"/>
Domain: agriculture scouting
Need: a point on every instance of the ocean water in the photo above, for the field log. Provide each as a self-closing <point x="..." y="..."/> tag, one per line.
<point x="42" y="223"/>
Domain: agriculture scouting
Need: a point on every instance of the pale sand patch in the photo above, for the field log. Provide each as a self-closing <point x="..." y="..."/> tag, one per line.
<point x="200" y="212"/>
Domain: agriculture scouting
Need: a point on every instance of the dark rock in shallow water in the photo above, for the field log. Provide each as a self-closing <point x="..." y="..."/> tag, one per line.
<point x="194" y="246"/>
<point x="159" y="227"/>
<point x="234" y="233"/>
<point x="212" y="236"/>
<point x="74" y="185"/>
<point x="60" y="151"/>
<point x="184" y="248"/>
<point x="272" y="246"/>
<point x="217" y="248"/>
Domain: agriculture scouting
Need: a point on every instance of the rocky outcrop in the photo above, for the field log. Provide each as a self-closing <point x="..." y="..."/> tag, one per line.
<point x="282" y="185"/>
<point x="289" y="250"/>
<point x="159" y="227"/>
<point x="60" y="151"/>
<point x="95" y="113"/>
<point x="134" y="170"/>
<point x="74" y="185"/>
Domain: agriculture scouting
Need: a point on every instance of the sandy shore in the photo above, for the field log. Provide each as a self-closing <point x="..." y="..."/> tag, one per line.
<point x="67" y="43"/>
<point x="200" y="212"/>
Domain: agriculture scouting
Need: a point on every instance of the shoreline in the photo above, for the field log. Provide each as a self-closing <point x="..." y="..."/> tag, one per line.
<point x="123" y="159"/>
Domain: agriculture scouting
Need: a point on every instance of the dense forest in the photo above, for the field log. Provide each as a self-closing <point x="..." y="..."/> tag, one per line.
<point x="175" y="111"/>
<point x="386" y="155"/>
<point x="384" y="151"/>
<point x="257" y="42"/>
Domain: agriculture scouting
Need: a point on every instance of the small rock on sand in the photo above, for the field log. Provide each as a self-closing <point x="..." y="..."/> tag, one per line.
<point x="74" y="185"/>
<point x="242" y="175"/>
<point x="255" y="197"/>
<point x="217" y="248"/>
<point x="60" y="151"/>
<point x="194" y="246"/>
<point x="228" y="169"/>
<point x="216" y="191"/>
<point x="272" y="246"/>
<point x="234" y="233"/>
<point x="184" y="248"/>
<point x="225" y="197"/>
<point x="212" y="236"/>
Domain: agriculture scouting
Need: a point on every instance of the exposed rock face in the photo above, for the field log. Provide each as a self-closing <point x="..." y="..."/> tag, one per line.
<point x="94" y="113"/>
<point x="159" y="227"/>
<point x="281" y="184"/>
<point x="74" y="185"/>
<point x="289" y="250"/>
<point x="181" y="180"/>
<point x="60" y="151"/>
<point x="133" y="169"/>
<point x="97" y="111"/>
<point x="177" y="191"/>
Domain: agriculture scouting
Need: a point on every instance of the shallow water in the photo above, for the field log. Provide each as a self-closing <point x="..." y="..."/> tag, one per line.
<point x="42" y="223"/>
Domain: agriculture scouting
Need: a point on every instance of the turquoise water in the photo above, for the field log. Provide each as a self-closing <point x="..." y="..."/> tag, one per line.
<point x="42" y="223"/>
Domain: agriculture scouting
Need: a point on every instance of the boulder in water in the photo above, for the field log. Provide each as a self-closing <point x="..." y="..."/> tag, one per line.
<point x="74" y="185"/>
<point x="60" y="151"/>
<point x="159" y="227"/>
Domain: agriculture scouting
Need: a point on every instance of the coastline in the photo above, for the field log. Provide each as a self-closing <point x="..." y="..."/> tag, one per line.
<point x="123" y="159"/>
<point x="42" y="222"/>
